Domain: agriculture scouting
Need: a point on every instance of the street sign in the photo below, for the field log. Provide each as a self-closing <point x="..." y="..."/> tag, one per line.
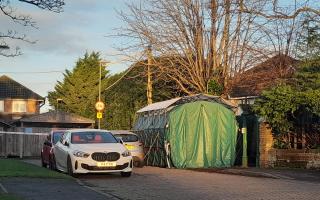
<point x="99" y="115"/>
<point x="99" y="105"/>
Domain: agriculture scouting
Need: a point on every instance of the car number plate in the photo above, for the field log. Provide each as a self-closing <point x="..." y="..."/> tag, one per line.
<point x="106" y="164"/>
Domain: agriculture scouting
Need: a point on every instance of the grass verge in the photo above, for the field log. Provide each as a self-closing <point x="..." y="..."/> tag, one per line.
<point x="9" y="197"/>
<point x="17" y="168"/>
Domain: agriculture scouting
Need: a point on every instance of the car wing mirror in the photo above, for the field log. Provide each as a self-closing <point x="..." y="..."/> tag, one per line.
<point x="66" y="143"/>
<point x="48" y="143"/>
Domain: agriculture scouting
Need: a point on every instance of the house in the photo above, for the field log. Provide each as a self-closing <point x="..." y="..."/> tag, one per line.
<point x="20" y="111"/>
<point x="16" y="102"/>
<point x="245" y="89"/>
<point x="248" y="86"/>
<point x="45" y="122"/>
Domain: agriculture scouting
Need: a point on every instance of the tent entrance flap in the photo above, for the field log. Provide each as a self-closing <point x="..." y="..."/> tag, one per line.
<point x="202" y="134"/>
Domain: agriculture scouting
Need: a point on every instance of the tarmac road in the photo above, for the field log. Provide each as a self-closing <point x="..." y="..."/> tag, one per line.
<point x="48" y="189"/>
<point x="161" y="183"/>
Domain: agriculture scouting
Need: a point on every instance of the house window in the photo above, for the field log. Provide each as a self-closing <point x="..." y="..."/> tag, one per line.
<point x="19" y="106"/>
<point x="2" y="106"/>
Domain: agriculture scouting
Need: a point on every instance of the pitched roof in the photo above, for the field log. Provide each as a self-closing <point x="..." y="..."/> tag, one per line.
<point x="4" y="123"/>
<point x="164" y="105"/>
<point x="12" y="89"/>
<point x="264" y="75"/>
<point x="57" y="117"/>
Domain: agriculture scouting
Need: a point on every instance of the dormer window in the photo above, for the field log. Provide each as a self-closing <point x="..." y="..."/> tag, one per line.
<point x="19" y="106"/>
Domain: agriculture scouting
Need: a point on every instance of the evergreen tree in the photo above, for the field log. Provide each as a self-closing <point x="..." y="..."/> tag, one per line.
<point x="79" y="89"/>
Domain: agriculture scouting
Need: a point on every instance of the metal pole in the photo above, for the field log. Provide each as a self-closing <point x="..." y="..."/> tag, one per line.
<point x="149" y="83"/>
<point x="99" y="90"/>
<point x="244" y="143"/>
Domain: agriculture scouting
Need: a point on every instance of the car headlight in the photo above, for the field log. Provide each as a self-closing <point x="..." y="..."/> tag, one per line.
<point x="80" y="154"/>
<point x="126" y="153"/>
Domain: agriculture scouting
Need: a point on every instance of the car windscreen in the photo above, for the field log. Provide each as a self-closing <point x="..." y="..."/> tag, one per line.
<point x="127" y="137"/>
<point x="56" y="137"/>
<point x="92" y="137"/>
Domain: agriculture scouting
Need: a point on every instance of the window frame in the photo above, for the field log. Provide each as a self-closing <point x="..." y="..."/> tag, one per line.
<point x="19" y="103"/>
<point x="1" y="105"/>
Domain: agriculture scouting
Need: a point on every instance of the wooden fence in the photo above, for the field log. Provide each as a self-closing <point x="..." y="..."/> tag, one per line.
<point x="21" y="144"/>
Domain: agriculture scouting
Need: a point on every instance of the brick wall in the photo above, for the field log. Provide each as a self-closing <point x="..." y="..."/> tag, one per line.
<point x="297" y="158"/>
<point x="270" y="157"/>
<point x="266" y="151"/>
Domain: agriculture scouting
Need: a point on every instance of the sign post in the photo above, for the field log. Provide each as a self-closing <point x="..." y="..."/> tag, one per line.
<point x="99" y="107"/>
<point x="99" y="115"/>
<point x="244" y="143"/>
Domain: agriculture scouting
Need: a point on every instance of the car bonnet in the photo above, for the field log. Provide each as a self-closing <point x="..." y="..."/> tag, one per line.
<point x="101" y="147"/>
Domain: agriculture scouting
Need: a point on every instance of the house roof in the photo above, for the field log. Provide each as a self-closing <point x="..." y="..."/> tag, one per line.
<point x="163" y="105"/>
<point x="264" y="75"/>
<point x="14" y="90"/>
<point x="4" y="123"/>
<point x="57" y="117"/>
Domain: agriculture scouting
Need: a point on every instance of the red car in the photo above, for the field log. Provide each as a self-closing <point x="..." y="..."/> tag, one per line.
<point x="47" y="156"/>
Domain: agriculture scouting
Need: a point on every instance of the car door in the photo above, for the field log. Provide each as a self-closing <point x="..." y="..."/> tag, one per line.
<point x="61" y="151"/>
<point x="65" y="150"/>
<point x="46" y="149"/>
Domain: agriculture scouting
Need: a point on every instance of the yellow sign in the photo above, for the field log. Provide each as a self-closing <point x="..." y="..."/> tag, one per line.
<point x="99" y="115"/>
<point x="244" y="130"/>
<point x="99" y="106"/>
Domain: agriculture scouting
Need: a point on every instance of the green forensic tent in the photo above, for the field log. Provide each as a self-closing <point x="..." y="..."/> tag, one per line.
<point x="197" y="131"/>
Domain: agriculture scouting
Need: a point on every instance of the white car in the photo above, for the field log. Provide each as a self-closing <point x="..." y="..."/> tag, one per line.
<point x="92" y="151"/>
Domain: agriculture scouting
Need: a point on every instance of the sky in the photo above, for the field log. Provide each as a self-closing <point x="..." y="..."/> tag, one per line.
<point x="61" y="39"/>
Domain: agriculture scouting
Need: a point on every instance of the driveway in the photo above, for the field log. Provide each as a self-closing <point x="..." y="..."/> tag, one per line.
<point x="160" y="183"/>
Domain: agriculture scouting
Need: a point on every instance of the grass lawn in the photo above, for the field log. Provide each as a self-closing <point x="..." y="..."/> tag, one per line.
<point x="17" y="168"/>
<point x="9" y="197"/>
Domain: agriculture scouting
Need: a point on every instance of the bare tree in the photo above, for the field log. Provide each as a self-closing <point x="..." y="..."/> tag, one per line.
<point x="7" y="10"/>
<point x="199" y="41"/>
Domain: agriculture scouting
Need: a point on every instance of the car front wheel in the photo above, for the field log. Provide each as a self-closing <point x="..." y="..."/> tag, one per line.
<point x="125" y="174"/>
<point x="70" y="168"/>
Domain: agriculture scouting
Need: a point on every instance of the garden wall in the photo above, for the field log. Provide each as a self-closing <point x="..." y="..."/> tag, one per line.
<point x="294" y="158"/>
